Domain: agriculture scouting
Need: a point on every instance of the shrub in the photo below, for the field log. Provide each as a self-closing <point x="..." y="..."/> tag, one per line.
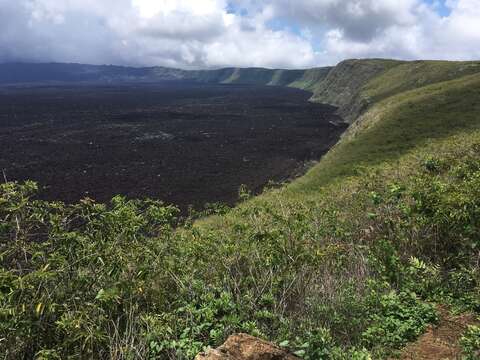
<point x="400" y="319"/>
<point x="470" y="342"/>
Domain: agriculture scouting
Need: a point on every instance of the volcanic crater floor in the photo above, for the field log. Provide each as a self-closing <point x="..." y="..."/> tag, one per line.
<point x="183" y="143"/>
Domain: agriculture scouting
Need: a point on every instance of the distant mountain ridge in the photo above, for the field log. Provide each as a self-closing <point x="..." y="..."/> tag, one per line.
<point x="14" y="73"/>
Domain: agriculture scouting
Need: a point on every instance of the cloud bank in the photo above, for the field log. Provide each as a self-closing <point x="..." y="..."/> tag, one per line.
<point x="215" y="33"/>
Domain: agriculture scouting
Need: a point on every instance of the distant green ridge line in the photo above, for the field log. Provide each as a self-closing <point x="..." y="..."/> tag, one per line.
<point x="15" y="73"/>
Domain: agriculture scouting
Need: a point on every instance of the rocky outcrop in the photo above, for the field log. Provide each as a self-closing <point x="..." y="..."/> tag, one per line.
<point x="246" y="347"/>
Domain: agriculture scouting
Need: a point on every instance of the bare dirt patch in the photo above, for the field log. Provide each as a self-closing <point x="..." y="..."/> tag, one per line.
<point x="440" y="342"/>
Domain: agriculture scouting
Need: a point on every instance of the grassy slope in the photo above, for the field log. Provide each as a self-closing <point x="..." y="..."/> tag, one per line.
<point x="416" y="74"/>
<point x="400" y="121"/>
<point x="399" y="124"/>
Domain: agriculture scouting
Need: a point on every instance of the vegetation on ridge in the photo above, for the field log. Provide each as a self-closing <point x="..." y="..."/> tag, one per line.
<point x="346" y="262"/>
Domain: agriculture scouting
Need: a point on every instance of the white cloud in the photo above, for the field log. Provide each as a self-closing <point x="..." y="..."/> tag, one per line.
<point x="185" y="33"/>
<point x="358" y="19"/>
<point x="149" y="8"/>
<point x="202" y="33"/>
<point x="259" y="47"/>
<point x="407" y="29"/>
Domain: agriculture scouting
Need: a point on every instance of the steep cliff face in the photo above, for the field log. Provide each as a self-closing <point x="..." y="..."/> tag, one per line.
<point x="343" y="84"/>
<point x="355" y="85"/>
<point x="311" y="78"/>
<point x="257" y="76"/>
<point x="302" y="79"/>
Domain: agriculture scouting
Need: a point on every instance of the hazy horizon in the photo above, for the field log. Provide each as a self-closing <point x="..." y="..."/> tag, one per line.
<point x="215" y="67"/>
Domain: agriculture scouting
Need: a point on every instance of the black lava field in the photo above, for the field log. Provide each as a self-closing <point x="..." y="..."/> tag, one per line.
<point x="184" y="143"/>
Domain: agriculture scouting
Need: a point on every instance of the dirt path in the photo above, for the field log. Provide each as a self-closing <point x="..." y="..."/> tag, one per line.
<point x="440" y="342"/>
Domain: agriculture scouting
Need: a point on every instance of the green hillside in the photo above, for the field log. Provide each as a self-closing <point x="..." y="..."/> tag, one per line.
<point x="399" y="124"/>
<point x="354" y="85"/>
<point x="415" y="74"/>
<point x="346" y="262"/>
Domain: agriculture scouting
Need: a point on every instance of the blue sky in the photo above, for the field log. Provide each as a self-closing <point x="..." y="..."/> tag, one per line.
<point x="440" y="7"/>
<point x="216" y="33"/>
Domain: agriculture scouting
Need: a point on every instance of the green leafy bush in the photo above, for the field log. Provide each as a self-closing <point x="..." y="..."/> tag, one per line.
<point x="470" y="342"/>
<point x="402" y="317"/>
<point x="75" y="278"/>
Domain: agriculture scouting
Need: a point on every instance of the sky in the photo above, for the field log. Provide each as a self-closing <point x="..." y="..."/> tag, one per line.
<point x="197" y="34"/>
